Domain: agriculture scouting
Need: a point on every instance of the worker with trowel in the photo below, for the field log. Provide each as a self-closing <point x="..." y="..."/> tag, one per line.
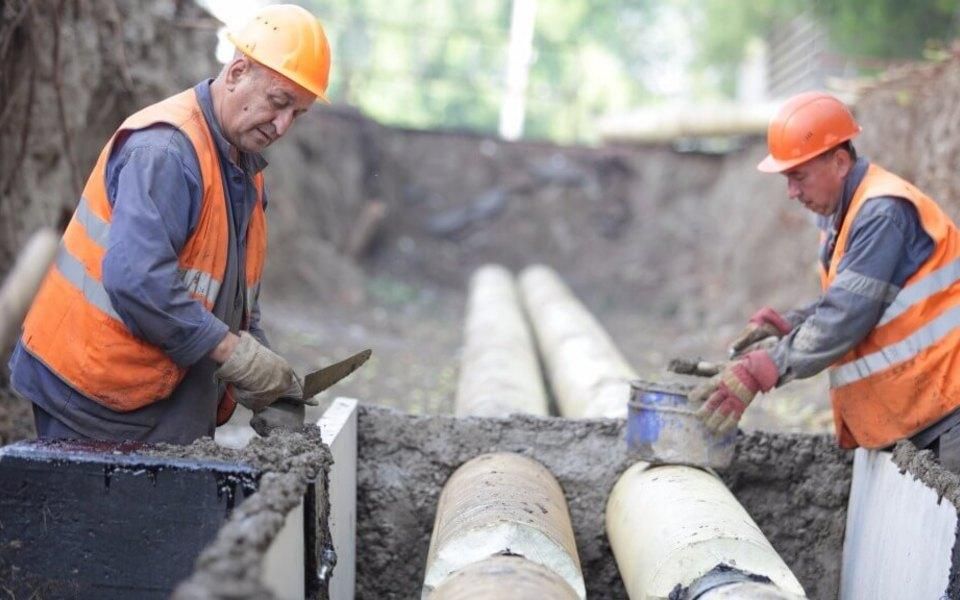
<point x="886" y="322"/>
<point x="147" y="325"/>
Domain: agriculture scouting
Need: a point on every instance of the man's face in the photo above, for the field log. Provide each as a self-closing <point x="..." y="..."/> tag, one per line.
<point x="261" y="105"/>
<point x="818" y="183"/>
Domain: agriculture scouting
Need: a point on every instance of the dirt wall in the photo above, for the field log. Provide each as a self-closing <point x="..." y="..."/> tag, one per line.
<point x="911" y="125"/>
<point x="795" y="487"/>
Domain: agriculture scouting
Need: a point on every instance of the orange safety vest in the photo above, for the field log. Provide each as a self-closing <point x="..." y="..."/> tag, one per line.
<point x="72" y="326"/>
<point x="905" y="375"/>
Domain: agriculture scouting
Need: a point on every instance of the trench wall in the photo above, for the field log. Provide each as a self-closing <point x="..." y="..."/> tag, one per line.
<point x="795" y="487"/>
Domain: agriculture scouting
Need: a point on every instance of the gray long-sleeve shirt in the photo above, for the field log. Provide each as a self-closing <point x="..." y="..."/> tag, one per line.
<point x="886" y="245"/>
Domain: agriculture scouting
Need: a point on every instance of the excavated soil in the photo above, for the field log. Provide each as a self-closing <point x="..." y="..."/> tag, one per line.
<point x="795" y="487"/>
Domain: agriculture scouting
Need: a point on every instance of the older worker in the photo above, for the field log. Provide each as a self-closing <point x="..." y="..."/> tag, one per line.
<point x="149" y="318"/>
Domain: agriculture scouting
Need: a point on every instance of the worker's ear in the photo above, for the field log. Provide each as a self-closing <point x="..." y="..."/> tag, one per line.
<point x="239" y="67"/>
<point x="843" y="161"/>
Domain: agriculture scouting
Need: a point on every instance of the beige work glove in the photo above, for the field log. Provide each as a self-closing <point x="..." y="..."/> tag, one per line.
<point x="259" y="375"/>
<point x="765" y="323"/>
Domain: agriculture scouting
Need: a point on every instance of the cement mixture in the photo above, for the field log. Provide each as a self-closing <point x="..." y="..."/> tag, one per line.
<point x="795" y="487"/>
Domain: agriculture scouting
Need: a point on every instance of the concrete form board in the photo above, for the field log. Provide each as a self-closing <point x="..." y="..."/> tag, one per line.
<point x="283" y="563"/>
<point x="86" y="520"/>
<point x="338" y="428"/>
<point x="899" y="536"/>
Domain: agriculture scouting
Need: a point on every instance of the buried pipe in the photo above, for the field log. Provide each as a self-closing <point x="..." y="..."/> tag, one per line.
<point x="499" y="504"/>
<point x="588" y="375"/>
<point x="499" y="372"/>
<point x="23" y="281"/>
<point x="500" y="577"/>
<point x="670" y="526"/>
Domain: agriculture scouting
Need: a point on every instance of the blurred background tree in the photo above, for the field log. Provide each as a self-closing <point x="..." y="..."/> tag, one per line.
<point x="431" y="63"/>
<point x="874" y="33"/>
<point x="442" y="63"/>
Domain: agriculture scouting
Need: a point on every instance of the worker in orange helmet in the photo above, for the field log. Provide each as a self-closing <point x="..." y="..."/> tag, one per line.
<point x="147" y="325"/>
<point x="886" y="323"/>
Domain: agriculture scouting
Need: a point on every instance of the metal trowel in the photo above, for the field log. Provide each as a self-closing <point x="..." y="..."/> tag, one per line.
<point x="288" y="413"/>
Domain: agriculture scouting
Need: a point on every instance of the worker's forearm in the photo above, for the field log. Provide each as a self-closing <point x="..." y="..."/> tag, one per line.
<point x="225" y="348"/>
<point x="798" y="315"/>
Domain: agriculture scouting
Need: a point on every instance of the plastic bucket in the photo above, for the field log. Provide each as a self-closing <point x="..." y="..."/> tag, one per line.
<point x="662" y="428"/>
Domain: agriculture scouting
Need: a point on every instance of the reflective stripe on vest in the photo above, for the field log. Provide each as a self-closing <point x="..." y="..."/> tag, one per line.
<point x="201" y="285"/>
<point x="93" y="290"/>
<point x="890" y="356"/>
<point x="933" y="283"/>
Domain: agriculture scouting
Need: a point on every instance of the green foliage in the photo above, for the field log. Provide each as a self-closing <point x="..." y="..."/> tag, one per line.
<point x="859" y="29"/>
<point x="442" y="63"/>
<point x="888" y="28"/>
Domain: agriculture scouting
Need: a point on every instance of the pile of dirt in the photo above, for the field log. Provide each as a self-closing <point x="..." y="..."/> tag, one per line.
<point x="794" y="486"/>
<point x="16" y="417"/>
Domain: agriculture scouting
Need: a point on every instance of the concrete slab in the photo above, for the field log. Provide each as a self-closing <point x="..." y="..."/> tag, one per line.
<point x="338" y="429"/>
<point x="899" y="536"/>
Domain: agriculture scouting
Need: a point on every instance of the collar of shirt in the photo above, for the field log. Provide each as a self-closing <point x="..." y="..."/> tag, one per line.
<point x="851" y="183"/>
<point x="250" y="162"/>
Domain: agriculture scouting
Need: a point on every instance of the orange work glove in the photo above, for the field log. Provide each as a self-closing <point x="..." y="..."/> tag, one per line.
<point x="729" y="393"/>
<point x="765" y="323"/>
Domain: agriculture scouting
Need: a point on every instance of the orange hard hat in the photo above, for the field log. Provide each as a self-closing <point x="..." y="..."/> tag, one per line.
<point x="291" y="41"/>
<point x="806" y="126"/>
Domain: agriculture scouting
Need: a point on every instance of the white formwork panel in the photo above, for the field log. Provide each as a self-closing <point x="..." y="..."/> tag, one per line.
<point x="338" y="429"/>
<point x="899" y="535"/>
<point x="283" y="563"/>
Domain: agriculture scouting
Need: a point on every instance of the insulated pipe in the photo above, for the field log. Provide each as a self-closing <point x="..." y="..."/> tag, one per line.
<point x="500" y="577"/>
<point x="23" y="281"/>
<point x="671" y="525"/>
<point x="502" y="503"/>
<point x="499" y="372"/>
<point x="588" y="375"/>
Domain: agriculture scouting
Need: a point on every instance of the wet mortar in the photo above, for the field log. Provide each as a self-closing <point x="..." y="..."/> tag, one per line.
<point x="795" y="487"/>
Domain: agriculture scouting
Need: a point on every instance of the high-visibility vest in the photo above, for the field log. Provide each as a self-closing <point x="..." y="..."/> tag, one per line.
<point x="72" y="326"/>
<point x="905" y="375"/>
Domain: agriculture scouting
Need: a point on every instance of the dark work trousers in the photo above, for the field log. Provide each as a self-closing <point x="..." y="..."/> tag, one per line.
<point x="51" y="428"/>
<point x="943" y="439"/>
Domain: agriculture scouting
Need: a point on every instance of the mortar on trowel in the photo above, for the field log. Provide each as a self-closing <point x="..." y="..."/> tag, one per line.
<point x="663" y="426"/>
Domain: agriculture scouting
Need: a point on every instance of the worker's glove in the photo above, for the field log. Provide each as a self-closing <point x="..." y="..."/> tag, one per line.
<point x="728" y="394"/>
<point x="765" y="323"/>
<point x="258" y="374"/>
<point x="284" y="415"/>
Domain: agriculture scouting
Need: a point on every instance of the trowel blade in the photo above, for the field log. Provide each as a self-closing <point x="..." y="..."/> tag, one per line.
<point x="316" y="382"/>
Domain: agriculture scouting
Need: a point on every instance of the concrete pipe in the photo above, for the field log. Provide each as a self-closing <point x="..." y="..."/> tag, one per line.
<point x="500" y="577"/>
<point x="502" y="503"/>
<point x="23" y="281"/>
<point x="499" y="372"/>
<point x="588" y="375"/>
<point x="672" y="525"/>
